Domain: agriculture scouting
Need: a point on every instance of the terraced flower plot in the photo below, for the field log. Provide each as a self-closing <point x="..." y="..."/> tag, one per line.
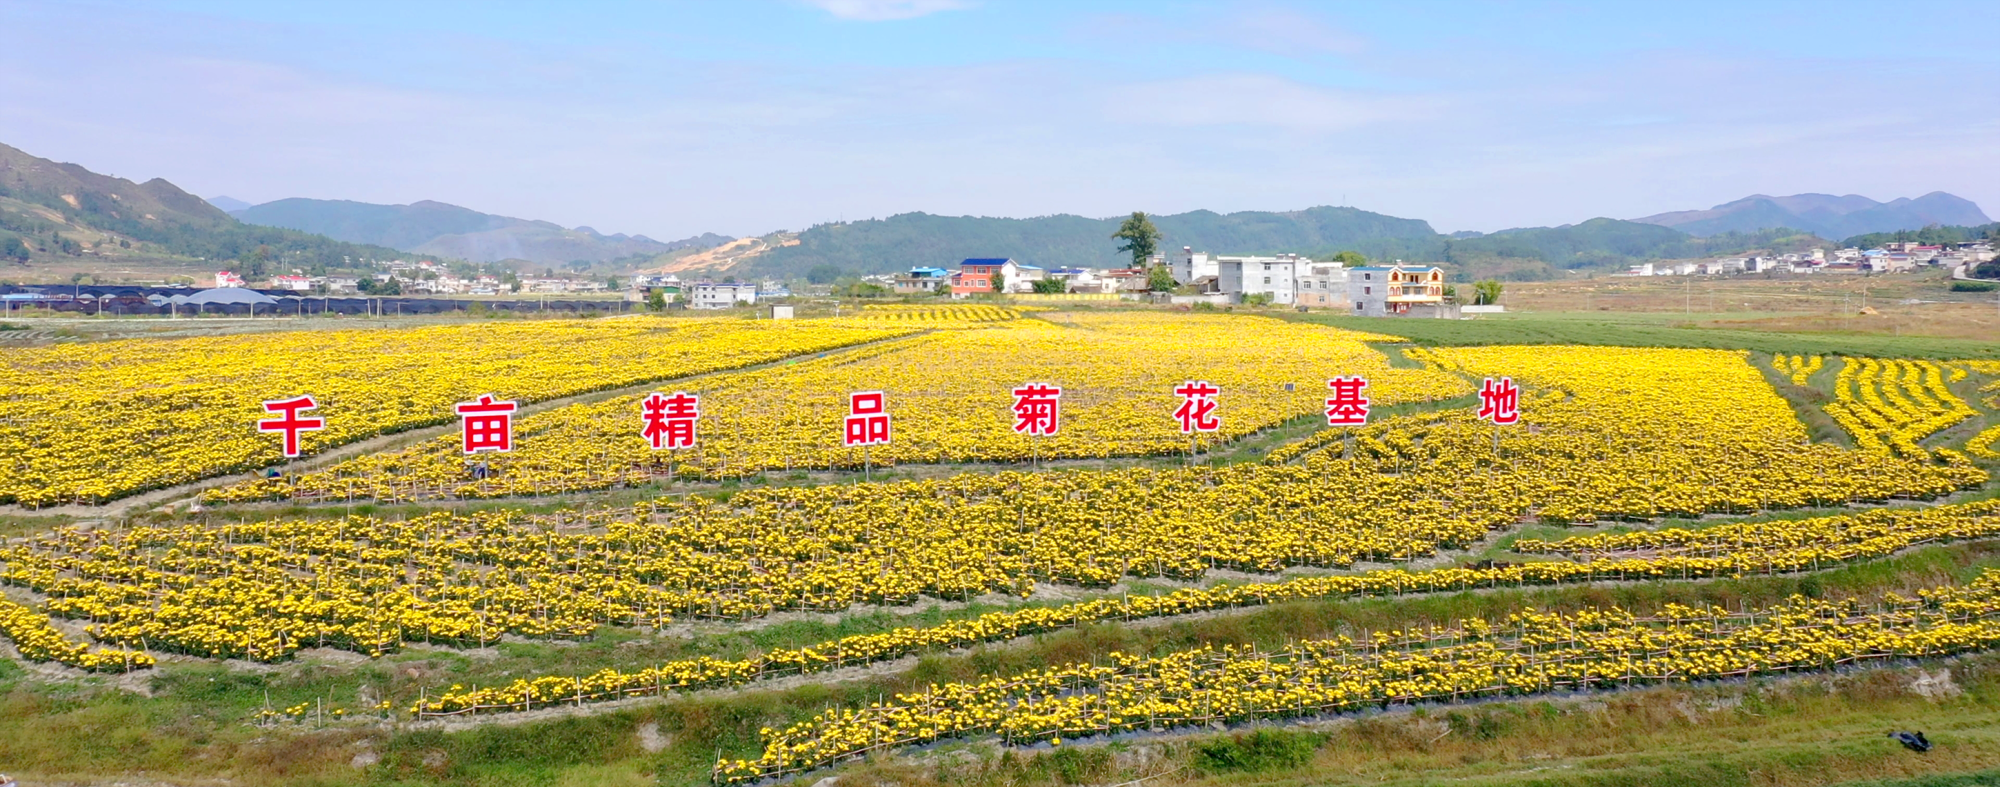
<point x="93" y="422"/>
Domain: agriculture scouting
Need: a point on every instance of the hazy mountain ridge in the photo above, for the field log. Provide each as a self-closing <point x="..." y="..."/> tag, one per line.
<point x="227" y="203"/>
<point x="437" y="228"/>
<point x="1825" y="215"/>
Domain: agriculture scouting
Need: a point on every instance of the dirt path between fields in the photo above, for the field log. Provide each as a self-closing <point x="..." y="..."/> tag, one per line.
<point x="190" y="491"/>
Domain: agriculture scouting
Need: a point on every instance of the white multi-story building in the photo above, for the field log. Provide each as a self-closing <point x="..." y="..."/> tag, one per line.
<point x="710" y="295"/>
<point x="1191" y="265"/>
<point x="1275" y="277"/>
<point x="1287" y="279"/>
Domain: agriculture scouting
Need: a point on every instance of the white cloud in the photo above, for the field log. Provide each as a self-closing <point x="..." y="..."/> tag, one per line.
<point x="1261" y="100"/>
<point x="887" y="10"/>
<point x="1289" y="32"/>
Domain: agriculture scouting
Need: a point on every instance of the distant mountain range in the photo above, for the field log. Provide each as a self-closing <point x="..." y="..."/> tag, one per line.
<point x="1756" y="222"/>
<point x="1824" y="215"/>
<point x="66" y="209"/>
<point x="913" y="239"/>
<point x="228" y="204"/>
<point x="59" y="209"/>
<point x="427" y="227"/>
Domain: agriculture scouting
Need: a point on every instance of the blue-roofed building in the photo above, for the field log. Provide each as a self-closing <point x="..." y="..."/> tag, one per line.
<point x="922" y="281"/>
<point x="1024" y="278"/>
<point x="982" y="275"/>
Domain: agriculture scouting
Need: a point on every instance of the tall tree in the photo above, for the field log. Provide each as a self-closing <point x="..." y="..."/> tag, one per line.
<point x="12" y="248"/>
<point x="1142" y="239"/>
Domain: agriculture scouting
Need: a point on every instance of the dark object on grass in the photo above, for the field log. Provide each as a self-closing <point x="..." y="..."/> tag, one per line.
<point x="1915" y="742"/>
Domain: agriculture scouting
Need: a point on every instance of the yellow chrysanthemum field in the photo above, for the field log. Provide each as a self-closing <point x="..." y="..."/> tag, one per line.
<point x="585" y="569"/>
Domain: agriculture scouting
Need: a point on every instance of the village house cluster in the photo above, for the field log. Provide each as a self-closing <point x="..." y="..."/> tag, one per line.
<point x="1889" y="258"/>
<point x="420" y="277"/>
<point x="1001" y="275"/>
<point x="1391" y="290"/>
<point x="1201" y="277"/>
<point x="703" y="294"/>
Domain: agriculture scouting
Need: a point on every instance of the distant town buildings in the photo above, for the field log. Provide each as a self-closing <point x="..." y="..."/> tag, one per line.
<point x="1889" y="258"/>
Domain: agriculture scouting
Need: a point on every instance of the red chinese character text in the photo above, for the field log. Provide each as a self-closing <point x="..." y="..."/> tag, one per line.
<point x="867" y="419"/>
<point x="1037" y="409"/>
<point x="1197" y="410"/>
<point x="670" y="419"/>
<point x="1500" y="400"/>
<point x="1348" y="406"/>
<point x="487" y="425"/>
<point x="290" y="423"/>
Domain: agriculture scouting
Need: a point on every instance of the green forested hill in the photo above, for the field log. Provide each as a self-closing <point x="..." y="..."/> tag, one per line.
<point x="50" y="200"/>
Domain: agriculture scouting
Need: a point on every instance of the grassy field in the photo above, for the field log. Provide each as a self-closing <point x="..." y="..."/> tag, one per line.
<point x="1652" y="329"/>
<point x="1906" y="315"/>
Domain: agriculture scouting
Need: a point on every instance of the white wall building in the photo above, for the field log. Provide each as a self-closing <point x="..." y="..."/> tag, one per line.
<point x="1287" y="279"/>
<point x="710" y="295"/>
<point x="1191" y="265"/>
<point x="1322" y="284"/>
<point x="1276" y="277"/>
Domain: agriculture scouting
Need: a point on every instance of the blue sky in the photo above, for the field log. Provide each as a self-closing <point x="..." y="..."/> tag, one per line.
<point x="742" y="117"/>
